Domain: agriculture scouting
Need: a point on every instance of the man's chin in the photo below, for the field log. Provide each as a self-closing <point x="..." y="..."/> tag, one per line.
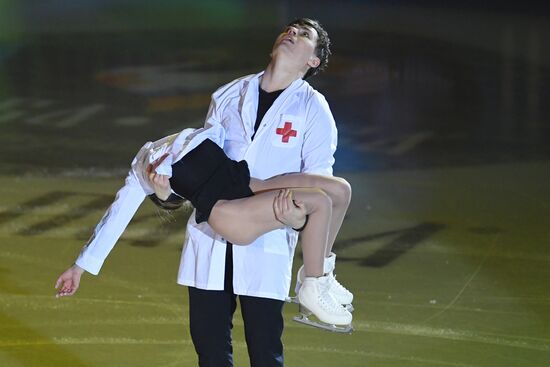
<point x="282" y="49"/>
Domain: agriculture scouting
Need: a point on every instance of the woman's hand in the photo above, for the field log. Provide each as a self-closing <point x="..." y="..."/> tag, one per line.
<point x="159" y="183"/>
<point x="290" y="212"/>
<point x="68" y="282"/>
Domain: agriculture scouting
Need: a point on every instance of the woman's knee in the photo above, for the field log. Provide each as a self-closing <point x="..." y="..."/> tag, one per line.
<point x="320" y="200"/>
<point x="337" y="188"/>
<point x="344" y="191"/>
<point x="340" y="191"/>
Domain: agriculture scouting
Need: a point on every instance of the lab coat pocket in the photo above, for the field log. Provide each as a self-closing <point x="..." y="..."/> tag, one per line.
<point x="288" y="133"/>
<point x="276" y="242"/>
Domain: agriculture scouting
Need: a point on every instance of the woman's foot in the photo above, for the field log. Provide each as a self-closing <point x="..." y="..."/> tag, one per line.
<point x="337" y="290"/>
<point x="315" y="297"/>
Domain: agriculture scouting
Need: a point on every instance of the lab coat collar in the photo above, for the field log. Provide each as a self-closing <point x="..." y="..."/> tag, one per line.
<point x="250" y="95"/>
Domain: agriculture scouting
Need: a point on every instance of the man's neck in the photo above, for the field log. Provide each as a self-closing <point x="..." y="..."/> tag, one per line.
<point x="276" y="77"/>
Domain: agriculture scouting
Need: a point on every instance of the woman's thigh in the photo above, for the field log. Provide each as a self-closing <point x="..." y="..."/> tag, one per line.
<point x="330" y="184"/>
<point x="241" y="221"/>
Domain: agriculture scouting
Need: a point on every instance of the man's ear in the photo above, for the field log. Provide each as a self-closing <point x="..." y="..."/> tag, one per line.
<point x="313" y="62"/>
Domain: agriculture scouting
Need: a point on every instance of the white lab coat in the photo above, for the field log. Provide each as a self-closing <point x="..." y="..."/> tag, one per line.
<point x="306" y="144"/>
<point x="136" y="188"/>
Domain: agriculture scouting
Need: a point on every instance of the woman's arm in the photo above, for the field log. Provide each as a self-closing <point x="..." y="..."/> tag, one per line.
<point x="159" y="183"/>
<point x="105" y="236"/>
<point x="163" y="196"/>
<point x="111" y="226"/>
<point x="68" y="282"/>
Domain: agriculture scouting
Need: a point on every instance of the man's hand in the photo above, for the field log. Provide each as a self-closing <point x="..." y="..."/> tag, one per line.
<point x="159" y="183"/>
<point x="68" y="282"/>
<point x="290" y="212"/>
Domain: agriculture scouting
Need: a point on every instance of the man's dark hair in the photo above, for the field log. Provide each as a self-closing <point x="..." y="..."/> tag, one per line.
<point x="322" y="51"/>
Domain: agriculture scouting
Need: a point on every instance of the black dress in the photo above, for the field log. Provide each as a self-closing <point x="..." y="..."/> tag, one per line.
<point x="205" y="175"/>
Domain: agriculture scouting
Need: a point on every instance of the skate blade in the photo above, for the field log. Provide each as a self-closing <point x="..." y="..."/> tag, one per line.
<point x="292" y="300"/>
<point x="304" y="319"/>
<point x="349" y="307"/>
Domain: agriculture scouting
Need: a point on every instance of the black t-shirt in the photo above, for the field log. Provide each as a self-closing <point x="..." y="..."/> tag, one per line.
<point x="265" y="101"/>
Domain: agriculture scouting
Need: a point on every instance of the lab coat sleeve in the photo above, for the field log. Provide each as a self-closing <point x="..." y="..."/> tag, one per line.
<point x="219" y="100"/>
<point x="320" y="138"/>
<point x="112" y="225"/>
<point x="213" y="115"/>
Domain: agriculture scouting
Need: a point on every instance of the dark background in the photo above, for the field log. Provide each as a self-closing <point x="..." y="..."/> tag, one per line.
<point x="411" y="83"/>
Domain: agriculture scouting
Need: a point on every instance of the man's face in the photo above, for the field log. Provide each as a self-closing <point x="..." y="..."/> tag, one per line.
<point x="298" y="44"/>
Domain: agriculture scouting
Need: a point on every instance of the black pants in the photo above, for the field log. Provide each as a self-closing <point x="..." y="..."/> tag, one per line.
<point x="210" y="318"/>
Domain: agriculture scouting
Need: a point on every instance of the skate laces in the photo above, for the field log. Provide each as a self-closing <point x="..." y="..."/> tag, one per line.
<point x="326" y="300"/>
<point x="336" y="284"/>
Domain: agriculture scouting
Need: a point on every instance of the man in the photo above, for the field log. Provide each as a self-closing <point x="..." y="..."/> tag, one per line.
<point x="279" y="124"/>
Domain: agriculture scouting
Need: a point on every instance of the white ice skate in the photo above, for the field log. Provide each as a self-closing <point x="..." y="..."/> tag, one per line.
<point x="337" y="290"/>
<point x="315" y="299"/>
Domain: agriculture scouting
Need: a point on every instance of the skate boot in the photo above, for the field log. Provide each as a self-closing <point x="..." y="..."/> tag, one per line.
<point x="315" y="299"/>
<point x="337" y="290"/>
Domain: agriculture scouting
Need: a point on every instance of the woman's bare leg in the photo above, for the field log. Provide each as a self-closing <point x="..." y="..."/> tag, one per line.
<point x="241" y="221"/>
<point x="338" y="189"/>
<point x="340" y="193"/>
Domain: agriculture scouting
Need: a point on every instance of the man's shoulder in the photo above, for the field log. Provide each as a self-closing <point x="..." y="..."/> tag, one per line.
<point x="316" y="100"/>
<point x="310" y="94"/>
<point x="315" y="104"/>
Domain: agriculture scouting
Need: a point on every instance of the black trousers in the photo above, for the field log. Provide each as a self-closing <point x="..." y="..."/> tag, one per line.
<point x="211" y="315"/>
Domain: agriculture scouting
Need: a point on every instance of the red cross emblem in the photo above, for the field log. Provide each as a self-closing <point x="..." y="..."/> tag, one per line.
<point x="286" y="132"/>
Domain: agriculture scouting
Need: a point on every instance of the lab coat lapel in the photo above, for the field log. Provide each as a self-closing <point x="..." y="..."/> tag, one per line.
<point x="248" y="106"/>
<point x="270" y="116"/>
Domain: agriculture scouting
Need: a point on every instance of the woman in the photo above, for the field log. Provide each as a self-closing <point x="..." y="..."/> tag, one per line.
<point x="192" y="165"/>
